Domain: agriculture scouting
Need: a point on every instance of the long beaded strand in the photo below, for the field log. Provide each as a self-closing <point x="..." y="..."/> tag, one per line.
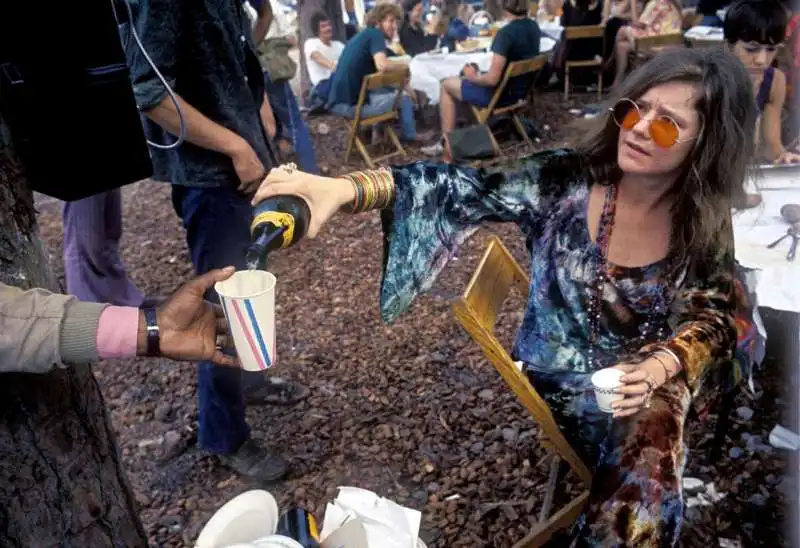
<point x="606" y="227"/>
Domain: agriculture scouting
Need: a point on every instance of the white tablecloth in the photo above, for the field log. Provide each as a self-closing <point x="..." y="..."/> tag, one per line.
<point x="552" y="29"/>
<point x="704" y="34"/>
<point x="777" y="280"/>
<point x="427" y="71"/>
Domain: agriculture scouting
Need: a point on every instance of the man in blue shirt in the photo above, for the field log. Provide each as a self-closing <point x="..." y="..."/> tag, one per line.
<point x="205" y="51"/>
<point x="517" y="40"/>
<point x="365" y="54"/>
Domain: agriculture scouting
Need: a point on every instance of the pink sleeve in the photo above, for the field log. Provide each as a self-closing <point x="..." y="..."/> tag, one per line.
<point x="117" y="332"/>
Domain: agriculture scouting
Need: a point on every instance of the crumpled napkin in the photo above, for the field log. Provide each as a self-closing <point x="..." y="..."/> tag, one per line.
<point x="385" y="523"/>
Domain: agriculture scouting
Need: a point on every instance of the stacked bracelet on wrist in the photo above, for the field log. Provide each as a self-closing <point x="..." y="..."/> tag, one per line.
<point x="374" y="190"/>
<point x="660" y="355"/>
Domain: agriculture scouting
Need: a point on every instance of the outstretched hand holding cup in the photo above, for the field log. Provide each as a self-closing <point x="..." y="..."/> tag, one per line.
<point x="324" y="195"/>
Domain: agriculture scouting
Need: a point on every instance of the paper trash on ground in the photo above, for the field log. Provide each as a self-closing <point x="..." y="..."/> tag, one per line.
<point x="783" y="438"/>
<point x="358" y="518"/>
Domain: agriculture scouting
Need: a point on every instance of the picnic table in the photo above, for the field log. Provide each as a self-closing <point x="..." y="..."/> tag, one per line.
<point x="776" y="281"/>
<point x="429" y="69"/>
<point x="704" y="36"/>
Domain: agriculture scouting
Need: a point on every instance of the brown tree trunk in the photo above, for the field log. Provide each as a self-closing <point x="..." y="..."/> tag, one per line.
<point x="61" y="479"/>
<point x="305" y="9"/>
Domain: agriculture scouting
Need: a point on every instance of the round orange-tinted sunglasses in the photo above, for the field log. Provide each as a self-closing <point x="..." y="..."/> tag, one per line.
<point x="663" y="129"/>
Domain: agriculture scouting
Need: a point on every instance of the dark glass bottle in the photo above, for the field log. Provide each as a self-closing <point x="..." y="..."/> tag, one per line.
<point x="300" y="525"/>
<point x="278" y="222"/>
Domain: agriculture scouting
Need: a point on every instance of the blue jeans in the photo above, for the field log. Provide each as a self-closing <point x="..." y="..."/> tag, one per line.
<point x="711" y="21"/>
<point x="380" y="102"/>
<point x="217" y="232"/>
<point x="291" y="124"/>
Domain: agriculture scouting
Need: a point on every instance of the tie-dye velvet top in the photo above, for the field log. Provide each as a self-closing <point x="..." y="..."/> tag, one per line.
<point x="438" y="206"/>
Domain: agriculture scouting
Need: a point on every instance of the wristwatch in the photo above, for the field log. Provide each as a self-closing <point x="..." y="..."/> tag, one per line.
<point x="153" y="335"/>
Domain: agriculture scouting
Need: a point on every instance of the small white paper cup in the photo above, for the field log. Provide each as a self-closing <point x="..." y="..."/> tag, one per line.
<point x="445" y="50"/>
<point x="605" y="382"/>
<point x="248" y="299"/>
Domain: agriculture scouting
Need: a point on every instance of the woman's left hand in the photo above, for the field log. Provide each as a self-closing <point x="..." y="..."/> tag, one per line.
<point x="638" y="385"/>
<point x="788" y="158"/>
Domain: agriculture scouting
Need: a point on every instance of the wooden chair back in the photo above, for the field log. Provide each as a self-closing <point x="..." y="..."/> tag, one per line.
<point x="390" y="79"/>
<point x="652" y="43"/>
<point x="515" y="69"/>
<point x="477" y="311"/>
<point x="586" y="31"/>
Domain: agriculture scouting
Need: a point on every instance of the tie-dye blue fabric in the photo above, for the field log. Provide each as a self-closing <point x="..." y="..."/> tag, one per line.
<point x="635" y="498"/>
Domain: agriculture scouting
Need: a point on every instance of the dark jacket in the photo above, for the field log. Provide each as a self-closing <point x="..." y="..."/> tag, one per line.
<point x="414" y="40"/>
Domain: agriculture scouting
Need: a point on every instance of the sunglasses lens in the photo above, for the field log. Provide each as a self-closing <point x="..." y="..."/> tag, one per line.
<point x="664" y="132"/>
<point x="626" y="115"/>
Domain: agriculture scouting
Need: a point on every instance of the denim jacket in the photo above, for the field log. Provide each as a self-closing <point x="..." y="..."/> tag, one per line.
<point x="205" y="51"/>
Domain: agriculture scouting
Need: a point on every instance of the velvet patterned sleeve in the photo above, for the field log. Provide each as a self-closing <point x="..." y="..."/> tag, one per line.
<point x="704" y="333"/>
<point x="437" y="207"/>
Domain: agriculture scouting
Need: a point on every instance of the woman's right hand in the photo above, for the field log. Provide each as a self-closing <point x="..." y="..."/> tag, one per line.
<point x="324" y="195"/>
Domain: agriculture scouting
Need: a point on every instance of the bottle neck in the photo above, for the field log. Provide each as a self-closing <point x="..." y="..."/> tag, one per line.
<point x="256" y="255"/>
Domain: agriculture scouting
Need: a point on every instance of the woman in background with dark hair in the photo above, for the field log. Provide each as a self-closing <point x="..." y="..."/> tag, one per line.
<point x="414" y="36"/>
<point x="754" y="29"/>
<point x="632" y="267"/>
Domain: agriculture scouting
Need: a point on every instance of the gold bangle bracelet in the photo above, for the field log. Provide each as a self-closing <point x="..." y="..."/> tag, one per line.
<point x="669" y="374"/>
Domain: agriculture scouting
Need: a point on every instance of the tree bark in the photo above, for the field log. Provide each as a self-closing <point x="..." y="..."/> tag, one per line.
<point x="61" y="478"/>
<point x="305" y="9"/>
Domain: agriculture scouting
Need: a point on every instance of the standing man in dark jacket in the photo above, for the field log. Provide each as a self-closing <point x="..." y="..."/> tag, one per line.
<point x="205" y="51"/>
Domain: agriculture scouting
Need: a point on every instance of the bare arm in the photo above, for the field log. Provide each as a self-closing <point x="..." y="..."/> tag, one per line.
<point x="771" y="118"/>
<point x="200" y="130"/>
<point x="264" y="21"/>
<point x="383" y="64"/>
<point x="495" y="73"/>
<point x="606" y="10"/>
<point x="320" y="59"/>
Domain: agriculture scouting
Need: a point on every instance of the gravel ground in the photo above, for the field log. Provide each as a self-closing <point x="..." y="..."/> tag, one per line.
<point x="413" y="411"/>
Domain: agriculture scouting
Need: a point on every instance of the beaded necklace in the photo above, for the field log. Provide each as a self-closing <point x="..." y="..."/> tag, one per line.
<point x="606" y="227"/>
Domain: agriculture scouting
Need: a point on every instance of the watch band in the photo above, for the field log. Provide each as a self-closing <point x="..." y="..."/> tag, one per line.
<point x="153" y="335"/>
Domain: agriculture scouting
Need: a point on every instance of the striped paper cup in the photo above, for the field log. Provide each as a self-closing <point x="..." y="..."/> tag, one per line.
<point x="248" y="299"/>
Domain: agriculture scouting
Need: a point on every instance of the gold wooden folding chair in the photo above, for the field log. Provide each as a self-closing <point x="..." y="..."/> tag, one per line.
<point x="583" y="33"/>
<point x="477" y="310"/>
<point x="395" y="79"/>
<point x="648" y="46"/>
<point x="483" y="114"/>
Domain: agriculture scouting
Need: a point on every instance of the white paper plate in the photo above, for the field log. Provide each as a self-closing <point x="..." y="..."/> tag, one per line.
<point x="247" y="517"/>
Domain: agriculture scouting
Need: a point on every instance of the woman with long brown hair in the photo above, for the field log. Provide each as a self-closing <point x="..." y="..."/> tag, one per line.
<point x="631" y="267"/>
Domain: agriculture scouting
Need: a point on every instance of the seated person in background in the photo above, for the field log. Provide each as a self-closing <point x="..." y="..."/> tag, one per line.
<point x="365" y="54"/>
<point x="708" y="9"/>
<point x="578" y="13"/>
<point x="753" y="30"/>
<point x="617" y="14"/>
<point x="322" y="53"/>
<point x="416" y="36"/>
<point x="516" y="41"/>
<point x="659" y="17"/>
<point x="457" y="30"/>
